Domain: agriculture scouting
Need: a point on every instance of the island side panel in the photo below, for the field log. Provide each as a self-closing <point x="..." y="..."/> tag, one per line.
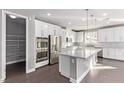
<point x="64" y="65"/>
<point x="83" y="67"/>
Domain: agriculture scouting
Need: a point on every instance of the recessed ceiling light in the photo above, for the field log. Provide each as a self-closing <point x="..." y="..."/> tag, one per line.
<point x="69" y="23"/>
<point x="105" y="14"/>
<point x="48" y="14"/>
<point x="12" y="16"/>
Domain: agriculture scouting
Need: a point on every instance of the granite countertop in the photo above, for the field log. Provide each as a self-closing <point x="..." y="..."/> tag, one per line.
<point x="80" y="52"/>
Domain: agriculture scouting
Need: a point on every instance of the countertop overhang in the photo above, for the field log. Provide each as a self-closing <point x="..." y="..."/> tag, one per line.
<point x="79" y="52"/>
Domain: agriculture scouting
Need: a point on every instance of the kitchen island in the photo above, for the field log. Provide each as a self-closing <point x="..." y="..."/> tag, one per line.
<point x="75" y="62"/>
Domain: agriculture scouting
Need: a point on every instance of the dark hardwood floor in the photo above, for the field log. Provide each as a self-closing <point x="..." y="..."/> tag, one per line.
<point x="106" y="71"/>
<point x="46" y="74"/>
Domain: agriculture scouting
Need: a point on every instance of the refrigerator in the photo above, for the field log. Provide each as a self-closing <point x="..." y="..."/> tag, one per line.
<point x="55" y="43"/>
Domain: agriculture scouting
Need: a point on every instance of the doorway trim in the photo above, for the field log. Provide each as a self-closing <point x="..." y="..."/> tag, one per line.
<point x="4" y="13"/>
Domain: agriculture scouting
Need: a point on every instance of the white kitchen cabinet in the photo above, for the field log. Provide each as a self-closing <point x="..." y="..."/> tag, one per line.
<point x="109" y="35"/>
<point x="79" y="37"/>
<point x="73" y="36"/>
<point x="57" y="30"/>
<point x="119" y="54"/>
<point x="109" y="53"/>
<point x="106" y="35"/>
<point x="50" y="29"/>
<point x="64" y="69"/>
<point x="63" y="38"/>
<point x="41" y="29"/>
<point x="117" y="35"/>
<point x="105" y="53"/>
<point x="37" y="28"/>
<point x="113" y="53"/>
<point x="44" y="31"/>
<point x="60" y="32"/>
<point x="121" y="34"/>
<point x="101" y="35"/>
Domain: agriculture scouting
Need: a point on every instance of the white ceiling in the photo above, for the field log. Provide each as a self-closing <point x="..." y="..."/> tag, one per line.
<point x="64" y="16"/>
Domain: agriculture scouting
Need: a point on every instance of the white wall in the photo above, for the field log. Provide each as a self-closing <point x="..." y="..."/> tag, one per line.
<point x="0" y="45"/>
<point x="31" y="48"/>
<point x="31" y="44"/>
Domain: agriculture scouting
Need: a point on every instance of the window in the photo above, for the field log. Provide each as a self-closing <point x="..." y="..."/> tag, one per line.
<point x="91" y="37"/>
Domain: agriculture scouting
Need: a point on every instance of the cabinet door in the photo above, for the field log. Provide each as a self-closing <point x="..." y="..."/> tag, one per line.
<point x="105" y="53"/>
<point x="111" y="53"/>
<point x="37" y="28"/>
<point x="60" y="33"/>
<point x="101" y="35"/>
<point x="44" y="29"/>
<point x="64" y="65"/>
<point x="51" y="29"/>
<point x="63" y="38"/>
<point x="57" y="30"/>
<point x="79" y="36"/>
<point x="119" y="54"/>
<point x="74" y="36"/>
<point x="121" y="34"/>
<point x="117" y="34"/>
<point x="109" y="35"/>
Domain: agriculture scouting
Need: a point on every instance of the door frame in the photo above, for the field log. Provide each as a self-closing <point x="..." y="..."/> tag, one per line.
<point x="4" y="13"/>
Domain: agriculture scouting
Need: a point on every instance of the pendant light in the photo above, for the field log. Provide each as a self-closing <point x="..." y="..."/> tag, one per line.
<point x="87" y="18"/>
<point x="85" y="35"/>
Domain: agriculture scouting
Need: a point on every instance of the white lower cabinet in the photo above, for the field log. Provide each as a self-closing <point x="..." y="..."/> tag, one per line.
<point x="64" y="69"/>
<point x="106" y="53"/>
<point x="119" y="54"/>
<point x="113" y="53"/>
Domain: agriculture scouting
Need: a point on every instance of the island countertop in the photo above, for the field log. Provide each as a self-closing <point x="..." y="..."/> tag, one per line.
<point x="79" y="52"/>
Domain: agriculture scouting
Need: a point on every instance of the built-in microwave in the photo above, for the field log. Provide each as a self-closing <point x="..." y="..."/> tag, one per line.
<point x="42" y="42"/>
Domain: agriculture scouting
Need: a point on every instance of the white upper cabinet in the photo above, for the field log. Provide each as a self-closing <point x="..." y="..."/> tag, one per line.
<point x="122" y="34"/>
<point x="41" y="29"/>
<point x="57" y="30"/>
<point x="115" y="34"/>
<point x="101" y="35"/>
<point x="51" y="29"/>
<point x="109" y="35"/>
<point x="79" y="37"/>
<point x="37" y="28"/>
<point x="63" y="38"/>
<point x="44" y="29"/>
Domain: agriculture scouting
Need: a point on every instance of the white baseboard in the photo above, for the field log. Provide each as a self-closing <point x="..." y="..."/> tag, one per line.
<point x="16" y="61"/>
<point x="31" y="70"/>
<point x="81" y="78"/>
